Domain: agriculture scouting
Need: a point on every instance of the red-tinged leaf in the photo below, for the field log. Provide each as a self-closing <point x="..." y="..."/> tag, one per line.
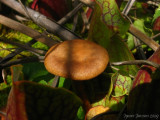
<point x="145" y="94"/>
<point x="54" y="9"/>
<point x="33" y="101"/>
<point x="144" y="98"/>
<point x="157" y="24"/>
<point x="144" y="74"/>
<point x="95" y="111"/>
<point x="16" y="105"/>
<point x="111" y="16"/>
<point x="105" y="23"/>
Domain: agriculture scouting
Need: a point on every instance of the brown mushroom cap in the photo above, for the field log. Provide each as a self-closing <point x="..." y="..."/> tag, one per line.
<point x="76" y="59"/>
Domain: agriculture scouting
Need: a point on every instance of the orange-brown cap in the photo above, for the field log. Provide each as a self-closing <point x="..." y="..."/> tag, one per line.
<point x="76" y="59"/>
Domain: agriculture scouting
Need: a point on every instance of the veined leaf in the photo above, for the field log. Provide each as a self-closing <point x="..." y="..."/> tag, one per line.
<point x="144" y="74"/>
<point x="112" y="17"/>
<point x="116" y="103"/>
<point x="144" y="98"/>
<point x="122" y="85"/>
<point x="104" y="33"/>
<point x="33" y="101"/>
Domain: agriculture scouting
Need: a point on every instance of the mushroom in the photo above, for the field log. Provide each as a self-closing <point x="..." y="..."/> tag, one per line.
<point x="76" y="59"/>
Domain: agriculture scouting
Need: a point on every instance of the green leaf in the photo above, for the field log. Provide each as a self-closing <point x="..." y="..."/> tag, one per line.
<point x="120" y="88"/>
<point x="39" y="45"/>
<point x="81" y="114"/>
<point x="3" y="49"/>
<point x="65" y="83"/>
<point x="130" y="41"/>
<point x="100" y="33"/>
<point x="122" y="85"/>
<point x="99" y="89"/>
<point x="37" y="72"/>
<point x="111" y="16"/>
<point x="139" y="24"/>
<point x="118" y="51"/>
<point x="157" y="14"/>
<point x="36" y="101"/>
<point x="117" y="103"/>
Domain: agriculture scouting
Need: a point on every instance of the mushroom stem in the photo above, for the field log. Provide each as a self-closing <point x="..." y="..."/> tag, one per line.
<point x="80" y="89"/>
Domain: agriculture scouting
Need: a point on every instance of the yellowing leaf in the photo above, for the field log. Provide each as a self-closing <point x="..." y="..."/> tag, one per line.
<point x="95" y="111"/>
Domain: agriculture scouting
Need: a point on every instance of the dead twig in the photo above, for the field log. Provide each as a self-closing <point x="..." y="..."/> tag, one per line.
<point x="26" y="47"/>
<point x="55" y="81"/>
<point x="157" y="35"/>
<point x="136" y="62"/>
<point x="42" y="20"/>
<point x="23" y="60"/>
<point x="18" y="17"/>
<point x="3" y="113"/>
<point x="24" y="8"/>
<point x="144" y="38"/>
<point x="137" y="43"/>
<point x="89" y="3"/>
<point x="70" y="14"/>
<point x="128" y="7"/>
<point x="26" y="30"/>
<point x="75" y="19"/>
<point x="16" y="52"/>
<point x="134" y="31"/>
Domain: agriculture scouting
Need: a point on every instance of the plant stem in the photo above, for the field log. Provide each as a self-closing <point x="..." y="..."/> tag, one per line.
<point x="136" y="62"/>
